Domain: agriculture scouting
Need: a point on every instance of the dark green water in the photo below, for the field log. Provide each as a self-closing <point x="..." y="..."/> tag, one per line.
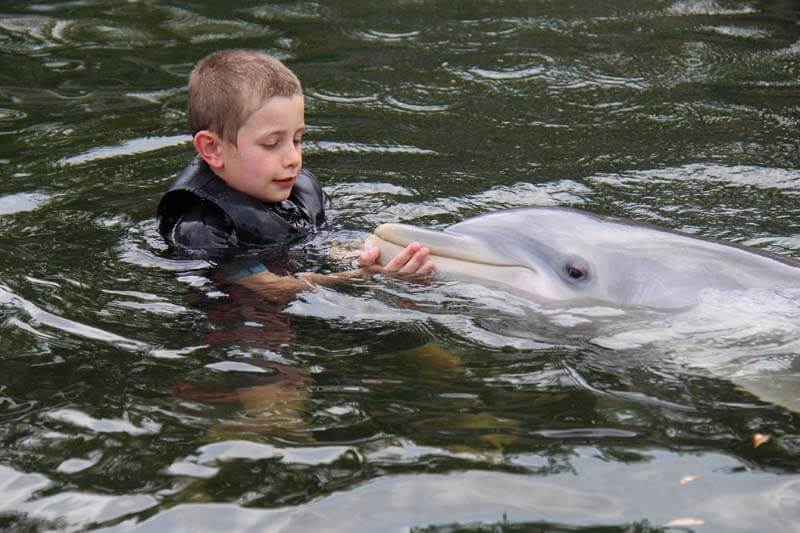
<point x="136" y="393"/>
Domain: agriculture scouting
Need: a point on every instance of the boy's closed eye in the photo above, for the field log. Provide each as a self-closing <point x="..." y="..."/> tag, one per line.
<point x="270" y="143"/>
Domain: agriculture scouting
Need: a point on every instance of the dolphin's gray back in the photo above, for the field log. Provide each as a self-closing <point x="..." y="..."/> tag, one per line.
<point x="520" y="219"/>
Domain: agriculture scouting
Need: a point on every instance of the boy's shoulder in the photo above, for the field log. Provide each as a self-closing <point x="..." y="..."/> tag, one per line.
<point x="202" y="227"/>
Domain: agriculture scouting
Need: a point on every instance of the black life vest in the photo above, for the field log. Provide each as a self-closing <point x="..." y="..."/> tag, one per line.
<point x="255" y="223"/>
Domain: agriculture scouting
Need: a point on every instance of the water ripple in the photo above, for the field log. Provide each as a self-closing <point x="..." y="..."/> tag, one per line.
<point x="302" y="11"/>
<point x="129" y="147"/>
<point x="521" y="194"/>
<point x="342" y="98"/>
<point x="410" y="500"/>
<point x="707" y="7"/>
<point x="67" y="509"/>
<point x="147" y="259"/>
<point x="385" y="36"/>
<point x="200" y="29"/>
<point x="358" y="190"/>
<point x="231" y="450"/>
<point x="31" y="32"/>
<point x="76" y="464"/>
<point x="316" y="147"/>
<point x="11" y="115"/>
<point x="510" y="74"/>
<point x="415" y="108"/>
<point x="104" y="425"/>
<point x="101" y="33"/>
<point x="9" y="298"/>
<point x="22" y="201"/>
<point x="737" y="31"/>
<point x="762" y="177"/>
<point x="158" y="308"/>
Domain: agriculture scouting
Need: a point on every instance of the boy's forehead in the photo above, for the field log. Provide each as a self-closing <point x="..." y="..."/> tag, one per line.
<point x="278" y="112"/>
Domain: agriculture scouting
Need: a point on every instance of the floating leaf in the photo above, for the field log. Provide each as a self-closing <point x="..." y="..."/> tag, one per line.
<point x="498" y="440"/>
<point x="759" y="439"/>
<point x="679" y="522"/>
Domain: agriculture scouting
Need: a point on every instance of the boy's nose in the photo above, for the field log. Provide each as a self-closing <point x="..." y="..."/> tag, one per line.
<point x="293" y="155"/>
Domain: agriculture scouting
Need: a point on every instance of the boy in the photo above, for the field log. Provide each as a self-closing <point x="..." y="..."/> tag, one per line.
<point x="246" y="188"/>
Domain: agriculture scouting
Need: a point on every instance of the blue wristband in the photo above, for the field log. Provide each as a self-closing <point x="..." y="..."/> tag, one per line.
<point x="248" y="271"/>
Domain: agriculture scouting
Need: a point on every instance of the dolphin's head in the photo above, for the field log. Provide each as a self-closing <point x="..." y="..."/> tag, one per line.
<point x="541" y="256"/>
<point x="565" y="254"/>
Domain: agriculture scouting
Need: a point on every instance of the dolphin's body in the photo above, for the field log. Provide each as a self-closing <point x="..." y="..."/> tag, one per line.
<point x="560" y="254"/>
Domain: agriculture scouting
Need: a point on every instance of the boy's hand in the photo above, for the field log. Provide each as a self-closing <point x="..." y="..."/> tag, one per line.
<point x="412" y="261"/>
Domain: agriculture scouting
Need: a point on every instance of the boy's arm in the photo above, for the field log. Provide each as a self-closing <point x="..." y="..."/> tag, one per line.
<point x="412" y="261"/>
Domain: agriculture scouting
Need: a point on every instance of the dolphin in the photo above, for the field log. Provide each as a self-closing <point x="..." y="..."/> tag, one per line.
<point x="554" y="254"/>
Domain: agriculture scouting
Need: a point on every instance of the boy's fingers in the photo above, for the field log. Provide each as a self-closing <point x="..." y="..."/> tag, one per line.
<point x="427" y="268"/>
<point x="423" y="273"/>
<point x="369" y="257"/>
<point x="403" y="257"/>
<point x="415" y="262"/>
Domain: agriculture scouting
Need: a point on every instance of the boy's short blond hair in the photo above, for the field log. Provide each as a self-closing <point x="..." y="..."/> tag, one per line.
<point x="227" y="86"/>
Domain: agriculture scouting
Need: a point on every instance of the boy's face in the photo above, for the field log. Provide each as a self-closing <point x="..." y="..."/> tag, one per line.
<point x="267" y="158"/>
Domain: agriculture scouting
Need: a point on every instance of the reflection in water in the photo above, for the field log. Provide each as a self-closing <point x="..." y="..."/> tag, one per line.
<point x="66" y="509"/>
<point x="137" y="391"/>
<point x="479" y="498"/>
<point x="14" y="203"/>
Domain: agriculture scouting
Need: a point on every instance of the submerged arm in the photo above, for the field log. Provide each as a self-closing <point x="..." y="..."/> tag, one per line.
<point x="411" y="262"/>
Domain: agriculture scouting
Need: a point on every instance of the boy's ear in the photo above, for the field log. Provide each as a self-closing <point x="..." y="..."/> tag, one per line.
<point x="209" y="146"/>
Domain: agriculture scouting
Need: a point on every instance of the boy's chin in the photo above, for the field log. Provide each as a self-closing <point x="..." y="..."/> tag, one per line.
<point x="275" y="197"/>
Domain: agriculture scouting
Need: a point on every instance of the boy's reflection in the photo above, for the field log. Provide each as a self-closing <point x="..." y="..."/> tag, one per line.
<point x="272" y="394"/>
<point x="258" y="289"/>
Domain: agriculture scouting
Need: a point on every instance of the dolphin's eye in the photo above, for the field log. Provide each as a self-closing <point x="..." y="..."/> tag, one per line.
<point x="574" y="272"/>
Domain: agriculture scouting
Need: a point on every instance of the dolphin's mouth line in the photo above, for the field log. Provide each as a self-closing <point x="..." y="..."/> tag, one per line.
<point x="446" y="247"/>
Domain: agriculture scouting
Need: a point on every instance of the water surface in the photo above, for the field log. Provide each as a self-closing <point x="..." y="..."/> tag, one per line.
<point x="138" y="393"/>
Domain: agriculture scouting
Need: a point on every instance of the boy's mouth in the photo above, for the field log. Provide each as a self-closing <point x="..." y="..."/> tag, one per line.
<point x="285" y="182"/>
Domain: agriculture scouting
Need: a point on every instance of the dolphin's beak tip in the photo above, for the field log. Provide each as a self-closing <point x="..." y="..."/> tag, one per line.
<point x="380" y="230"/>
